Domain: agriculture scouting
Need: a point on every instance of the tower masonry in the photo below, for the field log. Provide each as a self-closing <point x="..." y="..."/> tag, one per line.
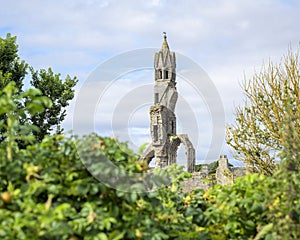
<point x="165" y="140"/>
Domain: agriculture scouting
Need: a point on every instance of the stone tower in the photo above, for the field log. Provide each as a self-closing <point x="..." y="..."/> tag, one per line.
<point x="165" y="140"/>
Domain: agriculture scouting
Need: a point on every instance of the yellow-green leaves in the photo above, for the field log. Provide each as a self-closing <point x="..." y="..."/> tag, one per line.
<point x="256" y="135"/>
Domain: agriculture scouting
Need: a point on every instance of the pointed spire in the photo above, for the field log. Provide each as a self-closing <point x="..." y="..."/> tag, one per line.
<point x="165" y="43"/>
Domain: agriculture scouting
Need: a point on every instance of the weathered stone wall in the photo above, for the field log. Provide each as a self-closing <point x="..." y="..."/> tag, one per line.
<point x="196" y="181"/>
<point x="224" y="175"/>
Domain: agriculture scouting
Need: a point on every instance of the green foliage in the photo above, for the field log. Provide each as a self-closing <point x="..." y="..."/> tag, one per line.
<point x="255" y="207"/>
<point x="258" y="206"/>
<point x="12" y="69"/>
<point x="212" y="167"/>
<point x="9" y="105"/>
<point x="60" y="92"/>
<point x="239" y="210"/>
<point x="54" y="197"/>
<point x="50" y="189"/>
<point x="48" y="193"/>
<point x="285" y="207"/>
<point x="256" y="135"/>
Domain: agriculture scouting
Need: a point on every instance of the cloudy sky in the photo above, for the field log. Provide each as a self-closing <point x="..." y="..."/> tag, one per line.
<point x="226" y="38"/>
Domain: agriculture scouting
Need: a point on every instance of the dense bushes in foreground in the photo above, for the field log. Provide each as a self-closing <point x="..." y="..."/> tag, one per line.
<point x="48" y="193"/>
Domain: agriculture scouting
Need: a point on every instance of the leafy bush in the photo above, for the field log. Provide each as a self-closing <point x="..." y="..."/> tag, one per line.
<point x="59" y="91"/>
<point x="256" y="136"/>
<point x="48" y="192"/>
<point x="261" y="207"/>
<point x="238" y="211"/>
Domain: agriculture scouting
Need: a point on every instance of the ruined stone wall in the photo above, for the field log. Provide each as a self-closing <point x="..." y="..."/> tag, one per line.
<point x="198" y="180"/>
<point x="224" y="175"/>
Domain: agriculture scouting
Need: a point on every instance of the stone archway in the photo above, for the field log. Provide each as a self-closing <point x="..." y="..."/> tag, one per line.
<point x="148" y="154"/>
<point x="175" y="141"/>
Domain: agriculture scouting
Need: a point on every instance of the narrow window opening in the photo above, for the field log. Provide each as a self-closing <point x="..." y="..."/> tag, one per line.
<point x="167" y="74"/>
<point x="156" y="98"/>
<point x="160" y="74"/>
<point x="155" y="133"/>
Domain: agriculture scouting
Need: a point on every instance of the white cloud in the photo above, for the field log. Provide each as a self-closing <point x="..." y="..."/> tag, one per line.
<point x="226" y="38"/>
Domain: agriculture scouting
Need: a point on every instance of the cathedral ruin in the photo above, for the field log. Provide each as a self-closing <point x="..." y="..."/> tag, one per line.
<point x="165" y="140"/>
